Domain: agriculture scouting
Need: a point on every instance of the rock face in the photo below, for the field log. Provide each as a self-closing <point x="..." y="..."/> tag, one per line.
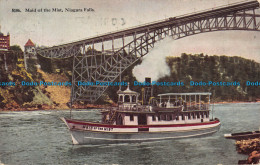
<point x="248" y="146"/>
<point x="60" y="95"/>
<point x="254" y="157"/>
<point x="251" y="147"/>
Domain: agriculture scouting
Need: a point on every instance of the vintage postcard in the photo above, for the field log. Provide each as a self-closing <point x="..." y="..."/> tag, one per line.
<point x="129" y="82"/>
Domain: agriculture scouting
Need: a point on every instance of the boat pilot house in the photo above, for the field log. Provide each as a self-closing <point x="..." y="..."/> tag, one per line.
<point x="169" y="108"/>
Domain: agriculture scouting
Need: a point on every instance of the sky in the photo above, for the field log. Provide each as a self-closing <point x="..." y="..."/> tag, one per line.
<point x="54" y="28"/>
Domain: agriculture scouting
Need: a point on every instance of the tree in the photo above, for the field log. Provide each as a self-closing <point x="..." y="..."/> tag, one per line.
<point x="16" y="48"/>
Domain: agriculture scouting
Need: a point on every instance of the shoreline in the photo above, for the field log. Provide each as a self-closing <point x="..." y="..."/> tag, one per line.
<point x="93" y="106"/>
<point x="51" y="108"/>
<point x="234" y="102"/>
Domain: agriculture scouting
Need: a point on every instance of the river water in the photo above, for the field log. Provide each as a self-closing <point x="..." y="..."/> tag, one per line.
<point x="40" y="137"/>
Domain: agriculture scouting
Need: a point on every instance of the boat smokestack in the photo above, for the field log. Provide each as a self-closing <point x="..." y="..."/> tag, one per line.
<point x="148" y="92"/>
<point x="148" y="79"/>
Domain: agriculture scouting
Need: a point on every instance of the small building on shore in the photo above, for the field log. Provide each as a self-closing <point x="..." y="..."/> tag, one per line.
<point x="29" y="52"/>
<point x="29" y="49"/>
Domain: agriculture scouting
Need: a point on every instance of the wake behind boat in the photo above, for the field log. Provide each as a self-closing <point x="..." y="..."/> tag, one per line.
<point x="175" y="115"/>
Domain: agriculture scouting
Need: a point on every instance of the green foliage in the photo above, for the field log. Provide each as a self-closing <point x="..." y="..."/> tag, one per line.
<point x="200" y="67"/>
<point x="50" y="65"/>
<point x="16" y="48"/>
<point x="45" y="64"/>
<point x="1" y="102"/>
<point x="31" y="66"/>
<point x="206" y="68"/>
<point x="10" y="59"/>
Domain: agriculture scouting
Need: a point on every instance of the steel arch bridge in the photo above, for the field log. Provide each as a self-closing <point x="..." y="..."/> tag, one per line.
<point x="103" y="58"/>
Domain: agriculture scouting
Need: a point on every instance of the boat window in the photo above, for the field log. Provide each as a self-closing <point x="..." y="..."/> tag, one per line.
<point x="121" y="98"/>
<point x="198" y="115"/>
<point x="207" y="114"/>
<point x="170" y="117"/>
<point x="159" y="117"/>
<point x="182" y="117"/>
<point x="154" y="119"/>
<point x="193" y="116"/>
<point x="163" y="117"/>
<point x="177" y="117"/>
<point x="167" y="117"/>
<point x="189" y="116"/>
<point x="202" y="115"/>
<point x="127" y="98"/>
<point x="131" y="117"/>
<point x="119" y="120"/>
<point x="134" y="99"/>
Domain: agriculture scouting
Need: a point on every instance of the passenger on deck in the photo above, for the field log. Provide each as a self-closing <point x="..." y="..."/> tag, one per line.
<point x="163" y="104"/>
<point x="168" y="104"/>
<point x="185" y="105"/>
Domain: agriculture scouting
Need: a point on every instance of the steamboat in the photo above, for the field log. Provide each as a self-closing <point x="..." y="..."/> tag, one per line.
<point x="173" y="115"/>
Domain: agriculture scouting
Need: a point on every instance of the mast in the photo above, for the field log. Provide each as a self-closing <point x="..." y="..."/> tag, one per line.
<point x="120" y="80"/>
<point x="213" y="105"/>
<point x="72" y="88"/>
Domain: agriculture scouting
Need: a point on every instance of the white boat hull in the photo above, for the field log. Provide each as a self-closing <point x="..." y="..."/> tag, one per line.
<point x="94" y="133"/>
